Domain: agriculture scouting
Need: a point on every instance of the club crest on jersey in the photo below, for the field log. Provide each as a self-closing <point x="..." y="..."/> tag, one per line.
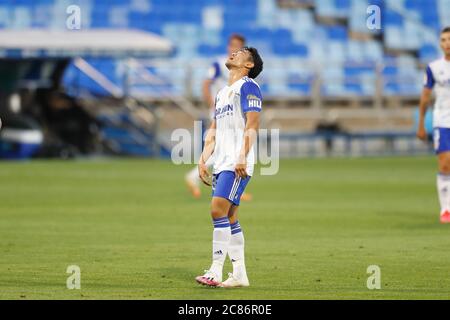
<point x="253" y="101"/>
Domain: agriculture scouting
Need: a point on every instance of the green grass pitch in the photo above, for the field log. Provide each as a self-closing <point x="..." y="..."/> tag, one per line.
<point x="311" y="231"/>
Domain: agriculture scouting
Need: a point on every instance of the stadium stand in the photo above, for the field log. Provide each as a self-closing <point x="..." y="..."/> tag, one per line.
<point x="200" y="28"/>
<point x="316" y="51"/>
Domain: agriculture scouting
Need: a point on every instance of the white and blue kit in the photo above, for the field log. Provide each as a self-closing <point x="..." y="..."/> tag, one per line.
<point x="231" y="105"/>
<point x="437" y="77"/>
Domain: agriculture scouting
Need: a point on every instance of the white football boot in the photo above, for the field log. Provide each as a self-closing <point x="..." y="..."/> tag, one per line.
<point x="235" y="282"/>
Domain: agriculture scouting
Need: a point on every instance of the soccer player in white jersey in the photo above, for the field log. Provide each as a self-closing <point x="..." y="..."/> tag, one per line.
<point x="230" y="140"/>
<point x="217" y="78"/>
<point x="438" y="78"/>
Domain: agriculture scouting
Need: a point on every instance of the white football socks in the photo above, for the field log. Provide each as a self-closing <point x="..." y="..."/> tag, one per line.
<point x="443" y="186"/>
<point x="221" y="241"/>
<point x="236" y="251"/>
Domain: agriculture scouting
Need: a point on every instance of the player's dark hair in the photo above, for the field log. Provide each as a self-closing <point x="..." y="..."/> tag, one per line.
<point x="445" y="30"/>
<point x="237" y="36"/>
<point x="257" y="61"/>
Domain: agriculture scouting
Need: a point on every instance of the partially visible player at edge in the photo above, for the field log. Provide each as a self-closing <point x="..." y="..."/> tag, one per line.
<point x="230" y="138"/>
<point x="216" y="80"/>
<point x="438" y="78"/>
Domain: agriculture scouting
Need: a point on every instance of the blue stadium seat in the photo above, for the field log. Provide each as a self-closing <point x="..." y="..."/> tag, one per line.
<point x="338" y="33"/>
<point x="392" y="18"/>
<point x="300" y="83"/>
<point x="428" y="52"/>
<point x="333" y="8"/>
<point x="211" y="51"/>
<point x="354" y="88"/>
<point x="390" y="71"/>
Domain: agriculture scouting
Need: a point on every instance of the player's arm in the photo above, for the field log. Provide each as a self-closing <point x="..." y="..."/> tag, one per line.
<point x="251" y="104"/>
<point x="425" y="102"/>
<point x="250" y="136"/>
<point x="210" y="143"/>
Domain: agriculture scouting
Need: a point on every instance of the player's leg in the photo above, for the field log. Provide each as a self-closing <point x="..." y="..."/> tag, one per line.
<point x="221" y="239"/>
<point x="236" y="252"/>
<point x="442" y="147"/>
<point x="221" y="233"/>
<point x="193" y="182"/>
<point x="443" y="185"/>
<point x="227" y="191"/>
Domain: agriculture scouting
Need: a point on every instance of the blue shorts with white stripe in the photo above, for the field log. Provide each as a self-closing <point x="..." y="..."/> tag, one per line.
<point x="441" y="137"/>
<point x="227" y="185"/>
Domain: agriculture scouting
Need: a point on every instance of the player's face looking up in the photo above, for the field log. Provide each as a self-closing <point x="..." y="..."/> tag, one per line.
<point x="445" y="42"/>
<point x="240" y="59"/>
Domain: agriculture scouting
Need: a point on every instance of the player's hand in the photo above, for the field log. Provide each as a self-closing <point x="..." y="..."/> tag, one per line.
<point x="241" y="168"/>
<point x="422" y="133"/>
<point x="204" y="174"/>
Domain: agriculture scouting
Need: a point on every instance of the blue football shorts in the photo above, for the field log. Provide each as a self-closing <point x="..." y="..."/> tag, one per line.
<point x="227" y="185"/>
<point x="441" y="139"/>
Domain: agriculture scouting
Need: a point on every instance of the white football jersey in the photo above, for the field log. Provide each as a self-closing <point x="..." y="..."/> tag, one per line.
<point x="438" y="77"/>
<point x="231" y="105"/>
